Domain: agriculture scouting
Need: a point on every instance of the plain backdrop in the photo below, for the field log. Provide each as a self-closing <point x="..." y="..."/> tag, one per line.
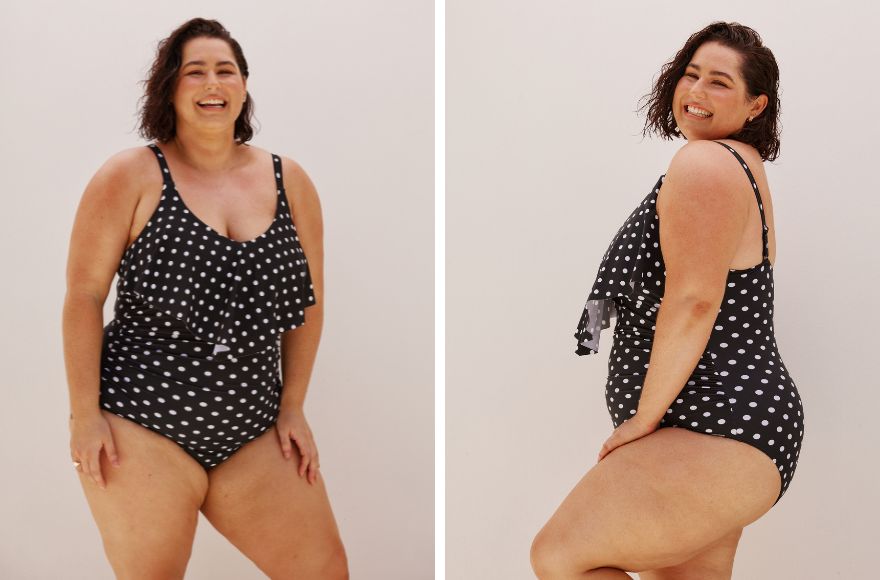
<point x="344" y="88"/>
<point x="545" y="160"/>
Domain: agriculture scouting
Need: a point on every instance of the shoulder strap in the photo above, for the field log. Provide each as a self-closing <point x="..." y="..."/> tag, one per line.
<point x="166" y="173"/>
<point x="279" y="182"/>
<point x="766" y="247"/>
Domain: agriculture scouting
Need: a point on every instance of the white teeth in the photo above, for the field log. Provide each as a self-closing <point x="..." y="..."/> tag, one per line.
<point x="212" y="102"/>
<point x="698" y="111"/>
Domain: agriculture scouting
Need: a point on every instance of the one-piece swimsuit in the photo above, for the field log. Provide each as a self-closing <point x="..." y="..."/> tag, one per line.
<point x="740" y="388"/>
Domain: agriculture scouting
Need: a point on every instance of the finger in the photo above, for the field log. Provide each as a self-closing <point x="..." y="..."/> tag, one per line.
<point x="316" y="462"/>
<point x="284" y="440"/>
<point x="313" y="468"/>
<point x="305" y="463"/>
<point x="313" y="472"/>
<point x="605" y="450"/>
<point x="94" y="461"/>
<point x="306" y="452"/>
<point x="110" y="448"/>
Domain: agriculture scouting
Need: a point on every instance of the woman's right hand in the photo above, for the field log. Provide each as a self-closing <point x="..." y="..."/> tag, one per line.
<point x="88" y="435"/>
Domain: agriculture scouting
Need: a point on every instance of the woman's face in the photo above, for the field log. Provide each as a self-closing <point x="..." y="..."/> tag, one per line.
<point x="712" y="82"/>
<point x="208" y="69"/>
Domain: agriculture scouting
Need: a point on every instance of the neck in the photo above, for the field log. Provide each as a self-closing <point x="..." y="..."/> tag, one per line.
<point x="213" y="152"/>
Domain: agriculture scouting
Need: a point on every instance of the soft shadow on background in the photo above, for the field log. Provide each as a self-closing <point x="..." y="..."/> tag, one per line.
<point x="545" y="161"/>
<point x="344" y="88"/>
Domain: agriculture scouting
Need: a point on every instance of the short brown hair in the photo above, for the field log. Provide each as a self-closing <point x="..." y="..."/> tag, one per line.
<point x="758" y="69"/>
<point x="157" y="116"/>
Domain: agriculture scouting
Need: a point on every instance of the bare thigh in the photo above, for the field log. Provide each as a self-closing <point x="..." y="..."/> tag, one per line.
<point x="147" y="514"/>
<point x="658" y="502"/>
<point x="285" y="525"/>
<point x="714" y="562"/>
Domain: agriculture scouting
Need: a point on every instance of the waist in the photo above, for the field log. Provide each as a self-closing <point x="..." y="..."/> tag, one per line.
<point x="173" y="339"/>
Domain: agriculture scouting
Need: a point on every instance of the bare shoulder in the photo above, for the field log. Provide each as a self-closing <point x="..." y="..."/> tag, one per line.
<point x="705" y="169"/>
<point x="301" y="191"/>
<point x="122" y="178"/>
<point x="702" y="160"/>
<point x="295" y="176"/>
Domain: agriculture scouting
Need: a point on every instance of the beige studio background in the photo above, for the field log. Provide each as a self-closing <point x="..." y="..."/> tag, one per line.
<point x="346" y="89"/>
<point x="545" y="161"/>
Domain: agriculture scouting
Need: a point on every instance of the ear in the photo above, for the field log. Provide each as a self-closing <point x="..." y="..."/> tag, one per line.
<point x="758" y="105"/>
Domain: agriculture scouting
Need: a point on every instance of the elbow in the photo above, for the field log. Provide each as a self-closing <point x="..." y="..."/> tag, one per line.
<point x="704" y="306"/>
<point x="78" y="296"/>
<point x="698" y="303"/>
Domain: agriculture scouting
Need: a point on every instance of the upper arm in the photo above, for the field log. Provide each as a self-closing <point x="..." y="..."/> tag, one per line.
<point x="305" y="205"/>
<point x="703" y="212"/>
<point x="102" y="225"/>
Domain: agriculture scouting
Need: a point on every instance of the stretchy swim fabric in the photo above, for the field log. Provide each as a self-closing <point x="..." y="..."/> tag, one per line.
<point x="193" y="351"/>
<point x="740" y="388"/>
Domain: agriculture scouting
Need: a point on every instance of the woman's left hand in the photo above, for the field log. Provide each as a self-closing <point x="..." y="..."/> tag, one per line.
<point x="292" y="425"/>
<point x="633" y="428"/>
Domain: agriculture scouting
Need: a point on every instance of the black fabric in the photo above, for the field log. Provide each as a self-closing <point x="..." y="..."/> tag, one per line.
<point x="740" y="388"/>
<point x="193" y="350"/>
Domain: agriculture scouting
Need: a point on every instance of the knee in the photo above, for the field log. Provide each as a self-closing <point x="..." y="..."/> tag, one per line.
<point x="161" y="569"/>
<point x="325" y="560"/>
<point x="547" y="556"/>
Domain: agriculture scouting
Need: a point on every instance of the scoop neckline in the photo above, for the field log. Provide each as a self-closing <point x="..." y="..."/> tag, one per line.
<point x="218" y="234"/>
<point x="268" y="230"/>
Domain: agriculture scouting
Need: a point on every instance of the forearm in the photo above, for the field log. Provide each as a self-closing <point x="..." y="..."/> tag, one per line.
<point x="298" y="351"/>
<point x="82" y="332"/>
<point x="682" y="330"/>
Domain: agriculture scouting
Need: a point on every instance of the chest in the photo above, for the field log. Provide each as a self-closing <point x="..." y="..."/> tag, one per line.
<point x="240" y="206"/>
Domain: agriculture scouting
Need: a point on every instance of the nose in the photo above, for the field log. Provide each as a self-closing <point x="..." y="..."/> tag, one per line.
<point x="211" y="79"/>
<point x="697" y="89"/>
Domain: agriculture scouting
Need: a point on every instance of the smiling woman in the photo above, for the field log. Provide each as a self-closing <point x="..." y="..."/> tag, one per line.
<point x="708" y="422"/>
<point x="185" y="383"/>
<point x="733" y="86"/>
<point x="176" y="78"/>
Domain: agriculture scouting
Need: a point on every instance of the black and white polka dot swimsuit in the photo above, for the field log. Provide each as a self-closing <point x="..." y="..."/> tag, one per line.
<point x="740" y="388"/>
<point x="193" y="351"/>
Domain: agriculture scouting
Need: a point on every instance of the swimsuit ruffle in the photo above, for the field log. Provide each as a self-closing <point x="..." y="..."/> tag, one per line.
<point x="635" y="246"/>
<point x="219" y="307"/>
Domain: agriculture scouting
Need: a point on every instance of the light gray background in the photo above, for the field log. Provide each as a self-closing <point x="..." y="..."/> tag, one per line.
<point x="545" y="161"/>
<point x="346" y="89"/>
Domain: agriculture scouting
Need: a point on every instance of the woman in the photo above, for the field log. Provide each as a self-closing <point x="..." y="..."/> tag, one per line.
<point x="671" y="503"/>
<point x="173" y="405"/>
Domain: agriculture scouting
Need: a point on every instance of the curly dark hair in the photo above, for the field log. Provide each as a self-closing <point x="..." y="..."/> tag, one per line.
<point x="157" y="116"/>
<point x="759" y="69"/>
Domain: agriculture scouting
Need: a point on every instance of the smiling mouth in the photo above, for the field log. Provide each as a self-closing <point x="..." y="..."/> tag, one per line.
<point x="695" y="114"/>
